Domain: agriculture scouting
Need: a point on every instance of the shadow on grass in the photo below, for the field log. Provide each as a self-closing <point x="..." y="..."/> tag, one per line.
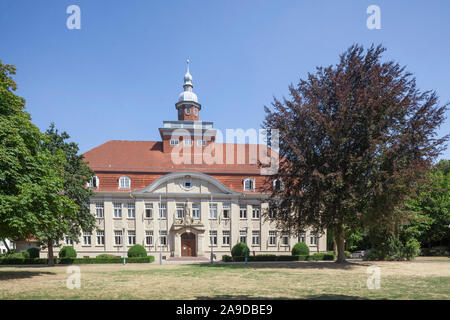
<point x="314" y="297"/>
<point x="11" y="275"/>
<point x="290" y="265"/>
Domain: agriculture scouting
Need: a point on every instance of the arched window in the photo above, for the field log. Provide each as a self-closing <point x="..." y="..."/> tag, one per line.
<point x="124" y="182"/>
<point x="94" y="182"/>
<point x="249" y="184"/>
<point x="278" y="184"/>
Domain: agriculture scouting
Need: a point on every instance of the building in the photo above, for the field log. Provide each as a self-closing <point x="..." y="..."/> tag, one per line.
<point x="5" y="245"/>
<point x="186" y="195"/>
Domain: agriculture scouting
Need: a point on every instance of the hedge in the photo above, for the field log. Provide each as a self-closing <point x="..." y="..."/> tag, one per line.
<point x="272" y="257"/>
<point x="15" y="261"/>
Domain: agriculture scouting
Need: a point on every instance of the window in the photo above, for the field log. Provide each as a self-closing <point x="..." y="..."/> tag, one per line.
<point x="188" y="111"/>
<point x="213" y="210"/>
<point x="149" y="238"/>
<point x="163" y="211"/>
<point x="278" y="184"/>
<point x="174" y="142"/>
<point x="187" y="142"/>
<point x="149" y="210"/>
<point x="68" y="241"/>
<point x="100" y="237"/>
<point x="99" y="210"/>
<point x="255" y="237"/>
<point x="256" y="213"/>
<point x="187" y="184"/>
<point x="243" y="236"/>
<point x="302" y="237"/>
<point x="117" y="210"/>
<point x="243" y="212"/>
<point x="118" y="237"/>
<point x="213" y="238"/>
<point x="249" y="184"/>
<point x="272" y="238"/>
<point x="196" y="210"/>
<point x="201" y="143"/>
<point x="313" y="238"/>
<point x="131" y="210"/>
<point x="163" y="238"/>
<point x="226" y="237"/>
<point x="180" y="210"/>
<point x="195" y="111"/>
<point x="124" y="182"/>
<point x="285" y="239"/>
<point x="226" y="209"/>
<point x="94" y="182"/>
<point x="86" y="238"/>
<point x="131" y="237"/>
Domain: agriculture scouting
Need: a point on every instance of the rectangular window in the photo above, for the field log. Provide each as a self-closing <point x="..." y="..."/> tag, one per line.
<point x="226" y="209"/>
<point x="243" y="236"/>
<point x="302" y="237"/>
<point x="131" y="237"/>
<point x="100" y="237"/>
<point x="163" y="238"/>
<point x="149" y="210"/>
<point x="249" y="184"/>
<point x="255" y="237"/>
<point x="99" y="210"/>
<point x="201" y="143"/>
<point x="149" y="238"/>
<point x="163" y="211"/>
<point x="272" y="238"/>
<point x="131" y="210"/>
<point x="243" y="212"/>
<point x="196" y="211"/>
<point x="117" y="210"/>
<point x="285" y="239"/>
<point x="187" y="142"/>
<point x="213" y="238"/>
<point x="180" y="210"/>
<point x="86" y="238"/>
<point x="213" y="210"/>
<point x="118" y="237"/>
<point x="226" y="237"/>
<point x="68" y="241"/>
<point x="174" y="142"/>
<point x="313" y="238"/>
<point x="256" y="213"/>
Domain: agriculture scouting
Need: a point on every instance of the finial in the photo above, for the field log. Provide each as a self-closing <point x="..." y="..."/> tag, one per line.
<point x="188" y="62"/>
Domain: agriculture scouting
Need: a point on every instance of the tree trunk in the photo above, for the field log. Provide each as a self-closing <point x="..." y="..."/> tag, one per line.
<point x="6" y="245"/>
<point x="51" y="261"/>
<point x="340" y="243"/>
<point x="334" y="246"/>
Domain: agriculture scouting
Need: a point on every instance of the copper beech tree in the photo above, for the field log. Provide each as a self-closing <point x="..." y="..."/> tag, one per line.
<point x="354" y="140"/>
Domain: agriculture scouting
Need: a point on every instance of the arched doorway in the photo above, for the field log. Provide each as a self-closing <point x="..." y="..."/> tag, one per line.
<point x="188" y="245"/>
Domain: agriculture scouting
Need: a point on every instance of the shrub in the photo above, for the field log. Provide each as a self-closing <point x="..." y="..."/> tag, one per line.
<point x="239" y="250"/>
<point x="137" y="251"/>
<point x="329" y="256"/>
<point x="226" y="258"/>
<point x="67" y="252"/>
<point x="107" y="256"/>
<point x="411" y="249"/>
<point x="300" y="248"/>
<point x="33" y="252"/>
<point x="347" y="254"/>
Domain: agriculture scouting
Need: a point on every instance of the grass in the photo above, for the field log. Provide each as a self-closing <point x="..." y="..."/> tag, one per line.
<point x="420" y="279"/>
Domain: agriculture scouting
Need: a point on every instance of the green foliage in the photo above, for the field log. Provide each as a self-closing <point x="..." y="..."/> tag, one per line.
<point x="33" y="252"/>
<point x="300" y="248"/>
<point x="67" y="252"/>
<point x="21" y="260"/>
<point x="137" y="251"/>
<point x="107" y="256"/>
<point x="239" y="249"/>
<point x="227" y="258"/>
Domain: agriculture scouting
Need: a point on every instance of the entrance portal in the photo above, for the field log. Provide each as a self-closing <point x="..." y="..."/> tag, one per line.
<point x="188" y="245"/>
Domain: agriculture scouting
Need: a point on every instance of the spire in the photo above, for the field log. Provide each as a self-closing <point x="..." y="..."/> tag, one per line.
<point x="187" y="94"/>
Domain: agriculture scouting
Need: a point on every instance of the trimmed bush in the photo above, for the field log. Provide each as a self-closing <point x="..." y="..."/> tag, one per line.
<point x="148" y="259"/>
<point x="33" y="252"/>
<point x="67" y="252"/>
<point x="137" y="251"/>
<point x="411" y="249"/>
<point x="300" y="248"/>
<point x="106" y="256"/>
<point x="226" y="258"/>
<point x="239" y="250"/>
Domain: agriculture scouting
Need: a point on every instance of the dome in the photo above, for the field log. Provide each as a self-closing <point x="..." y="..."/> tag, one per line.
<point x="187" y="77"/>
<point x="187" y="96"/>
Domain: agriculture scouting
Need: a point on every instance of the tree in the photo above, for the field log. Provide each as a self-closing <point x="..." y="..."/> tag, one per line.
<point x="75" y="177"/>
<point x="355" y="138"/>
<point x="31" y="179"/>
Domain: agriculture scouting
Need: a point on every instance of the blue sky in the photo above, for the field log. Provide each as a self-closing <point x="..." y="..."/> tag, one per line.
<point x="120" y="75"/>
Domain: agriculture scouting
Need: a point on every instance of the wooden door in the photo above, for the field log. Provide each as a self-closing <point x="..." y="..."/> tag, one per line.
<point x="188" y="245"/>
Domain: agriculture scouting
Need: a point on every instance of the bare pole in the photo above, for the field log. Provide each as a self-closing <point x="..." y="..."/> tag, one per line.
<point x="159" y="237"/>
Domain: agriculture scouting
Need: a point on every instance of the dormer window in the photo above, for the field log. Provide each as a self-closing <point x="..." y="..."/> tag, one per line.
<point x="249" y="184"/>
<point x="278" y="184"/>
<point x="94" y="182"/>
<point x="174" y="142"/>
<point x="124" y="182"/>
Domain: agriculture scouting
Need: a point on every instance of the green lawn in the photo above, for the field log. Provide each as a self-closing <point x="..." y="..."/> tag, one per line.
<point x="422" y="279"/>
